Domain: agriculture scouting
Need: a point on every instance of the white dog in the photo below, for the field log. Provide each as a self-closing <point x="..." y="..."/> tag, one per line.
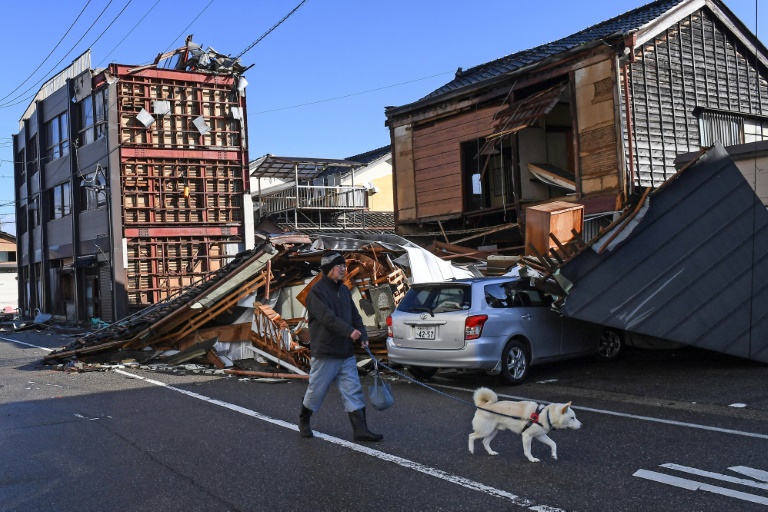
<point x="531" y="420"/>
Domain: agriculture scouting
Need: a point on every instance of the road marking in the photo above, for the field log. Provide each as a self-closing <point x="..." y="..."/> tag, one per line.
<point x="716" y="476"/>
<point x="630" y="416"/>
<point x="753" y="473"/>
<point x="693" y="485"/>
<point x="409" y="464"/>
<point x="477" y="486"/>
<point x="588" y="409"/>
<point x="27" y="344"/>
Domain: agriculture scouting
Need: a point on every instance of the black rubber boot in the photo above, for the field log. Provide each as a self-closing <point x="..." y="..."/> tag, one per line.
<point x="304" y="428"/>
<point x="360" y="430"/>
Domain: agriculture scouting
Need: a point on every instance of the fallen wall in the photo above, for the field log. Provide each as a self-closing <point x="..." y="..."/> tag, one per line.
<point x="689" y="266"/>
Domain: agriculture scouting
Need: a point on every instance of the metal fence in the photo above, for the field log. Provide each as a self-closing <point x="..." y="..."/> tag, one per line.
<point x="315" y="198"/>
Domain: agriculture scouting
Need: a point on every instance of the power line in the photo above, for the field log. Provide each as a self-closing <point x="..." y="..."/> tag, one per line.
<point x="111" y="23"/>
<point x="265" y="34"/>
<point x="129" y="33"/>
<point x="49" y="55"/>
<point x="5" y="105"/>
<point x="350" y="95"/>
<point x="190" y="24"/>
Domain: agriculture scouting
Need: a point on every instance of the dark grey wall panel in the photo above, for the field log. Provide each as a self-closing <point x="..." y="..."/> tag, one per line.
<point x="684" y="270"/>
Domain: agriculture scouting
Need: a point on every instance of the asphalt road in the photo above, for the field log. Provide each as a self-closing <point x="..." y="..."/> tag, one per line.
<point x="675" y="430"/>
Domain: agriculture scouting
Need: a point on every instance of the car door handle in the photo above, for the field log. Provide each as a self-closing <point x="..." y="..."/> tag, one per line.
<point x="526" y="316"/>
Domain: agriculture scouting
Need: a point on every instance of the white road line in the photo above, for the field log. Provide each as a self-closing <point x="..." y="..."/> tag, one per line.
<point x="409" y="464"/>
<point x="693" y="485"/>
<point x="716" y="476"/>
<point x="630" y="416"/>
<point x="589" y="409"/>
<point x="470" y="484"/>
<point x="27" y="344"/>
<point x="751" y="472"/>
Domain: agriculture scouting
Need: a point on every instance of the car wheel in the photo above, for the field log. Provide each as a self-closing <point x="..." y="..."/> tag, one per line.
<point x="514" y="362"/>
<point x="610" y="345"/>
<point x="422" y="372"/>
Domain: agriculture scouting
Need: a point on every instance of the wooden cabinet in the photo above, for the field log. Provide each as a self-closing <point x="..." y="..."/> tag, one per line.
<point x="557" y="217"/>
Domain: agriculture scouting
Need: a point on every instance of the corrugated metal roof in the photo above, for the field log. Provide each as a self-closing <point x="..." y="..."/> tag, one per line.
<point x="689" y="267"/>
<point x="288" y="167"/>
<point x="621" y="24"/>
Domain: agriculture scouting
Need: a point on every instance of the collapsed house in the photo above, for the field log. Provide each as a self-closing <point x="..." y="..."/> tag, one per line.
<point x="254" y="307"/>
<point x="678" y="269"/>
<point x="671" y="267"/>
<point x="587" y="119"/>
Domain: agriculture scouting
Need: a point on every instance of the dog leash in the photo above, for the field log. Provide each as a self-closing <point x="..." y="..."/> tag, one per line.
<point x="530" y="420"/>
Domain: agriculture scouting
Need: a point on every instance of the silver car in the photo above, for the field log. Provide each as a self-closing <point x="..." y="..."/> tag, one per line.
<point x="501" y="325"/>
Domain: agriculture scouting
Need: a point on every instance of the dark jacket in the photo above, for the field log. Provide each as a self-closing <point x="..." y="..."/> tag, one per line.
<point x="332" y="318"/>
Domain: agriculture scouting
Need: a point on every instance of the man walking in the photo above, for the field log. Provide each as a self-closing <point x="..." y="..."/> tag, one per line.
<point x="334" y="326"/>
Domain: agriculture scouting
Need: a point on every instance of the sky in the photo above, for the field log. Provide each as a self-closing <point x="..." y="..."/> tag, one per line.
<point x="319" y="82"/>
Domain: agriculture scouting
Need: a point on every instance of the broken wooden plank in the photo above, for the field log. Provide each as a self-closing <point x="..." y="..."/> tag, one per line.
<point x="250" y="373"/>
<point x="488" y="232"/>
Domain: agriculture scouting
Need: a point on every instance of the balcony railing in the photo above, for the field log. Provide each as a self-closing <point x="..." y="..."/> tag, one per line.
<point x="310" y="197"/>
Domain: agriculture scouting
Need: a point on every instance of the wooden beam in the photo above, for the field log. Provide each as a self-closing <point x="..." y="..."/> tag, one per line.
<point x="491" y="230"/>
<point x="439" y="223"/>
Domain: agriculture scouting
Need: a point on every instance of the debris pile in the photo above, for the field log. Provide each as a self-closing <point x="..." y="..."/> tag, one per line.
<point x="253" y="310"/>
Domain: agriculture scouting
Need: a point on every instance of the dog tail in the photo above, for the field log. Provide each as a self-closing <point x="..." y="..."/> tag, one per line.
<point x="484" y="396"/>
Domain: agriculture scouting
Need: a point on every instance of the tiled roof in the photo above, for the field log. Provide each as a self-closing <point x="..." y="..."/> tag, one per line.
<point x="621" y="24"/>
<point x="370" y="156"/>
<point x="364" y="158"/>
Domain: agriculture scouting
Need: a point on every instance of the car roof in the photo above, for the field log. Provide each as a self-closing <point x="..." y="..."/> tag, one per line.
<point x="469" y="281"/>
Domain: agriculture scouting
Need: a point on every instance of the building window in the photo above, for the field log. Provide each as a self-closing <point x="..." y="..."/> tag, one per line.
<point x="61" y="201"/>
<point x="57" y="137"/>
<point x="34" y="212"/>
<point x="755" y="130"/>
<point x="730" y="128"/>
<point x="94" y="191"/>
<point x="21" y="220"/>
<point x="93" y="117"/>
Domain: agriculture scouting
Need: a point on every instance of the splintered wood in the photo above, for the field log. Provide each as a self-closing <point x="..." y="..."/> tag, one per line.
<point x="271" y="334"/>
<point x="193" y="325"/>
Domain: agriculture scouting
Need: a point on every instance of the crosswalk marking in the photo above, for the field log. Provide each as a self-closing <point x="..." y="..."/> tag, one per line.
<point x="717" y="476"/>
<point x="693" y="485"/>
<point x="752" y="473"/>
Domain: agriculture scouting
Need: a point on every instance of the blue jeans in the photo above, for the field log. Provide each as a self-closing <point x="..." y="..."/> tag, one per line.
<point x="325" y="371"/>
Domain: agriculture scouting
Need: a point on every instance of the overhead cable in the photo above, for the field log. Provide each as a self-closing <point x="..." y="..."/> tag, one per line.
<point x="349" y="95"/>
<point x="55" y="66"/>
<point x="265" y="34"/>
<point x="111" y="23"/>
<point x="187" y="27"/>
<point x="129" y="33"/>
<point x="49" y="55"/>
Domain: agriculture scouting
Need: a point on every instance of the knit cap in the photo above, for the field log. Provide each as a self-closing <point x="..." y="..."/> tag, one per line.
<point x="328" y="261"/>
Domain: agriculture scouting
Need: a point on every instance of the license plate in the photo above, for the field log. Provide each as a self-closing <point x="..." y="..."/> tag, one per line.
<point x="425" y="333"/>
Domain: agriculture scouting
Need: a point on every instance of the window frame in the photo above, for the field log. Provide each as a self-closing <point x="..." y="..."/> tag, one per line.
<point x="61" y="201"/>
<point x="93" y="117"/>
<point x="57" y="137"/>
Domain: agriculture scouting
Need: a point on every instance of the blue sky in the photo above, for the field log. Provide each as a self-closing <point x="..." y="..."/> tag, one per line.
<point x="320" y="81"/>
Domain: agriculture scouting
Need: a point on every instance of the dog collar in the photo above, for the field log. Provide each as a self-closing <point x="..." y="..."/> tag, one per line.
<point x="551" y="426"/>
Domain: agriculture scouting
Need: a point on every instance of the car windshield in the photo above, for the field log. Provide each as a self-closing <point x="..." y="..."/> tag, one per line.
<point x="436" y="298"/>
